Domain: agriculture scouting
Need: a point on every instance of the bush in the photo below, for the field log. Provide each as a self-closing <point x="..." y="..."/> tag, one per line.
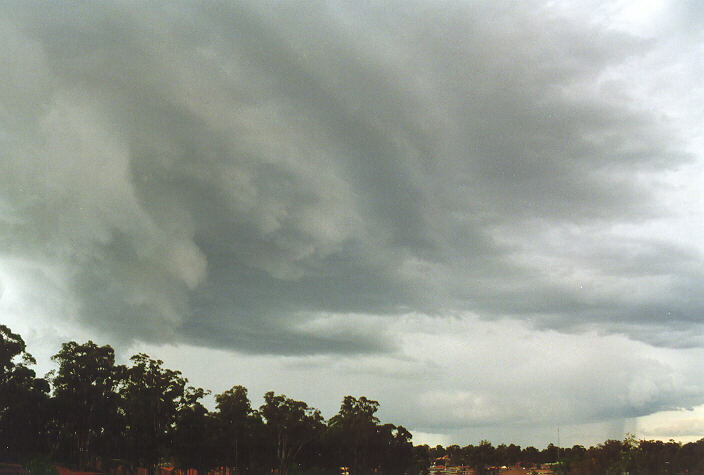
<point x="40" y="466"/>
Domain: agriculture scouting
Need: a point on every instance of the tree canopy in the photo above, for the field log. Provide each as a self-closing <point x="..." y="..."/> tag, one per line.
<point x="23" y="400"/>
<point x="94" y="414"/>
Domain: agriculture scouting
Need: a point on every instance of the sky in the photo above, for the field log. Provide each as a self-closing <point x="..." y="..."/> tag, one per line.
<point x="485" y="215"/>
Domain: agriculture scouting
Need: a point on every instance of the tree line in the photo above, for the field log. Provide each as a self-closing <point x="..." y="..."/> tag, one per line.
<point x="92" y="413"/>
<point x="612" y="457"/>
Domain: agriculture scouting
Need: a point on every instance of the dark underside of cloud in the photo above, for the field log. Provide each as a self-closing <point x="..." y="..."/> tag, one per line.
<point x="228" y="174"/>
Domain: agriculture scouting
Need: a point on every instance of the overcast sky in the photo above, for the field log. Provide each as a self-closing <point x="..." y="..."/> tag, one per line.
<point x="486" y="215"/>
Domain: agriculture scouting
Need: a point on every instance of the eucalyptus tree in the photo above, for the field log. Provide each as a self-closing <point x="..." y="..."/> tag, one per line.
<point x="23" y="400"/>
<point x="194" y="437"/>
<point x="239" y="429"/>
<point x="291" y="425"/>
<point x="353" y="432"/>
<point x="152" y="396"/>
<point x="86" y="401"/>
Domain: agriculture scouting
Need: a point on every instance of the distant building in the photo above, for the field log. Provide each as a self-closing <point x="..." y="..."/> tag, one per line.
<point x="542" y="471"/>
<point x="514" y="470"/>
<point x="441" y="467"/>
<point x="458" y="470"/>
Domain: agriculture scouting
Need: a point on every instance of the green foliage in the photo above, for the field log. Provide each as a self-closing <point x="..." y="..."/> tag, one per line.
<point x="86" y="402"/>
<point x="193" y="433"/>
<point x="145" y="414"/>
<point x="353" y="431"/>
<point x="12" y="346"/>
<point x="291" y="426"/>
<point x="361" y="443"/>
<point x="239" y="429"/>
<point x="313" y="471"/>
<point x="23" y="401"/>
<point x="40" y="466"/>
<point x="151" y="396"/>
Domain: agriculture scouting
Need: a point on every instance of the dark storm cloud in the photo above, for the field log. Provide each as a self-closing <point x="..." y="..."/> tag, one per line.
<point x="222" y="173"/>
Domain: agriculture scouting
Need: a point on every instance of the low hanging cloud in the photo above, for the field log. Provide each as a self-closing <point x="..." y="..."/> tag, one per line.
<point x="461" y="380"/>
<point x="228" y="174"/>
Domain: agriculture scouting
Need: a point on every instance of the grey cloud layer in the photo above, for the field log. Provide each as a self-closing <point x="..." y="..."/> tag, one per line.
<point x="468" y="379"/>
<point x="224" y="173"/>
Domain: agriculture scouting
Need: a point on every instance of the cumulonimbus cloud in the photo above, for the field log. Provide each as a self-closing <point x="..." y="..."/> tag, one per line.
<point x="224" y="174"/>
